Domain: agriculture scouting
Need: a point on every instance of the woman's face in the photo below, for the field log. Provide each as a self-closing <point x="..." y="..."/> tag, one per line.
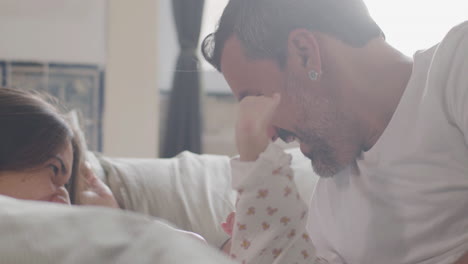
<point x="44" y="183"/>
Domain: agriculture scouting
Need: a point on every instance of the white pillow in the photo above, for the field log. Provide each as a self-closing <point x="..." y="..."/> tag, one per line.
<point x="191" y="191"/>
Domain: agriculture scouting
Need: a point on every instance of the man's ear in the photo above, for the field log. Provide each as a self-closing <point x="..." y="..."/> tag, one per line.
<point x="304" y="51"/>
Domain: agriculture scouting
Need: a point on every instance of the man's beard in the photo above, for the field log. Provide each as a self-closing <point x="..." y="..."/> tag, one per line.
<point x="322" y="155"/>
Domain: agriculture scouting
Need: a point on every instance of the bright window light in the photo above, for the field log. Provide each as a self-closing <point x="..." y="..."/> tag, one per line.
<point x="212" y="12"/>
<point x="416" y="24"/>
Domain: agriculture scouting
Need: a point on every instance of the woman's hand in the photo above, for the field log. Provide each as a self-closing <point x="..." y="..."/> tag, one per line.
<point x="92" y="191"/>
<point x="253" y="128"/>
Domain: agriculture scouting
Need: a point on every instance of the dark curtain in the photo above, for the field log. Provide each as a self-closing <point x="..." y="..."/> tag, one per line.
<point x="184" y="120"/>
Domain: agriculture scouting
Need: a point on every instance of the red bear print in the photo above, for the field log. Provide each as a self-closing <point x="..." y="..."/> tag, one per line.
<point x="262" y="193"/>
<point x="245" y="244"/>
<point x="285" y="220"/>
<point x="271" y="211"/>
<point x="292" y="234"/>
<point x="276" y="252"/>
<point x="251" y="211"/>
<point x="277" y="171"/>
<point x="241" y="226"/>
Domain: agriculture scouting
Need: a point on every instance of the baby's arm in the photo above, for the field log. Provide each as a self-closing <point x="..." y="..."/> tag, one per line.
<point x="271" y="216"/>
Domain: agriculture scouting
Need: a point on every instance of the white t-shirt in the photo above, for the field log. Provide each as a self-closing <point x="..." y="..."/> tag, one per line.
<point x="406" y="200"/>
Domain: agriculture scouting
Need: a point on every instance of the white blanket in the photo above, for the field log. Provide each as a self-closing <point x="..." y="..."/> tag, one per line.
<point x="43" y="233"/>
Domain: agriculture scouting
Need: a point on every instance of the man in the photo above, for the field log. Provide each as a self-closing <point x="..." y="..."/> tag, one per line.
<point x="387" y="134"/>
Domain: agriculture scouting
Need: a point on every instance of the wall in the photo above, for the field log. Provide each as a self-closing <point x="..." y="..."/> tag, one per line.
<point x="131" y="123"/>
<point x="119" y="35"/>
<point x="53" y="30"/>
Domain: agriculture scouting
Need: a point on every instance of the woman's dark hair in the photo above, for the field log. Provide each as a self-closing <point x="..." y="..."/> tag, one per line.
<point x="263" y="26"/>
<point x="31" y="132"/>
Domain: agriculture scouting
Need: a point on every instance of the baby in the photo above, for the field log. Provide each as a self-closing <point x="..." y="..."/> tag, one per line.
<point x="269" y="224"/>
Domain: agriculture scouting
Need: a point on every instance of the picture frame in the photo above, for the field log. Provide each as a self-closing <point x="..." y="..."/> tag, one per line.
<point x="76" y="86"/>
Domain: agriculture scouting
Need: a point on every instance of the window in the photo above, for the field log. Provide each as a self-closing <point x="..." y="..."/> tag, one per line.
<point x="213" y="82"/>
<point x="408" y="25"/>
<point x="212" y="13"/>
<point x="413" y="25"/>
<point x="77" y="86"/>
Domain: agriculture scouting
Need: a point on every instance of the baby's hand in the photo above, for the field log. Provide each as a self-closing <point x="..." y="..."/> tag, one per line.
<point x="254" y="125"/>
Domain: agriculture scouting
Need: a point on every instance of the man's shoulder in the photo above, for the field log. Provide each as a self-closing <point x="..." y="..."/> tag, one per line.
<point x="455" y="42"/>
<point x="450" y="68"/>
<point x="459" y="30"/>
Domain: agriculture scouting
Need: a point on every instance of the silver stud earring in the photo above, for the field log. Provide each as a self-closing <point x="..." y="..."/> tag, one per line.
<point x="313" y="75"/>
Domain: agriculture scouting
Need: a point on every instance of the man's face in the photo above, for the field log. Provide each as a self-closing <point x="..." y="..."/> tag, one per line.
<point x="308" y="110"/>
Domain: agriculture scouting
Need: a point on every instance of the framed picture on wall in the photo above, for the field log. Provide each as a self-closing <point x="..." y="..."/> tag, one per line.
<point x="27" y="76"/>
<point x="80" y="87"/>
<point x="77" y="87"/>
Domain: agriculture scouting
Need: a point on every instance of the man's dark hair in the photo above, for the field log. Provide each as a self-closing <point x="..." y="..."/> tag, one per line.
<point x="263" y="26"/>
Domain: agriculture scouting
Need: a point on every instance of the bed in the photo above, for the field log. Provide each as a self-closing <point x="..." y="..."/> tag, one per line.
<point x="190" y="192"/>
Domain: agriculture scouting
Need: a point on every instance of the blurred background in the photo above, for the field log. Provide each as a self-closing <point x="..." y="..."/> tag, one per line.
<point x="134" y="70"/>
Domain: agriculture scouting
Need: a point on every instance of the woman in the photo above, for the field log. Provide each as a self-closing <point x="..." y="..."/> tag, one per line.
<point x="40" y="155"/>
